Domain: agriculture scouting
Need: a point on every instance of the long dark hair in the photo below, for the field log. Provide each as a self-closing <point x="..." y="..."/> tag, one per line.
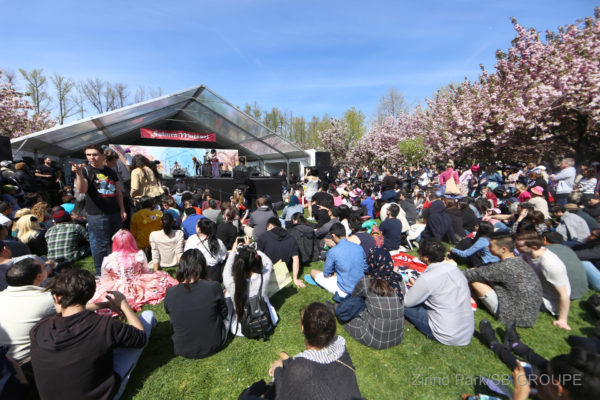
<point x="168" y="222"/>
<point x="140" y="161"/>
<point x="245" y="263"/>
<point x="485" y="230"/>
<point x="192" y="268"/>
<point x="209" y="228"/>
<point x="298" y="218"/>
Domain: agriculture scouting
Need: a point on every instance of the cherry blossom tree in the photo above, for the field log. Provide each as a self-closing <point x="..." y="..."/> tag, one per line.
<point x="16" y="114"/>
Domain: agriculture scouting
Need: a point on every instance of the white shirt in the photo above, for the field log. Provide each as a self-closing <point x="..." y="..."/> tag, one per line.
<point x="194" y="242"/>
<point x="552" y="273"/>
<point x="20" y="309"/>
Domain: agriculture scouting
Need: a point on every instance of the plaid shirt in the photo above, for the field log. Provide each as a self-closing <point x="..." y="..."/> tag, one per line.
<point x="67" y="240"/>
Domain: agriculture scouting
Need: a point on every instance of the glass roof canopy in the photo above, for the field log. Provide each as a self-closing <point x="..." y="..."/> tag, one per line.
<point x="197" y="109"/>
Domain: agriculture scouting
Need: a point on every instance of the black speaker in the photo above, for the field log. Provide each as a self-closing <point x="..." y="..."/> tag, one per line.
<point x="322" y="158"/>
<point x="5" y="149"/>
<point x="206" y="170"/>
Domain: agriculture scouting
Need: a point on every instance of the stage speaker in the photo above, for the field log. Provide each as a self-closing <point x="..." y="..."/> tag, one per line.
<point x="206" y="170"/>
<point x="322" y="159"/>
<point x="5" y="149"/>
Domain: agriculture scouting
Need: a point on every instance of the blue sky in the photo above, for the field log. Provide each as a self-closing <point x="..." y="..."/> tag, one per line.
<point x="308" y="57"/>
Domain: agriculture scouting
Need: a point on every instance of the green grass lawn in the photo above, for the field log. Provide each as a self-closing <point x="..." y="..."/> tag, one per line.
<point x="416" y="369"/>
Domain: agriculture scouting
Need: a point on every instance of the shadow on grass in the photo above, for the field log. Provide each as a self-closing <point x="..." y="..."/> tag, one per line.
<point x="280" y="297"/>
<point x="157" y="353"/>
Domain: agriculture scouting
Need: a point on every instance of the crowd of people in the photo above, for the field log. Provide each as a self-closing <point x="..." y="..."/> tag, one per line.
<point x="530" y="240"/>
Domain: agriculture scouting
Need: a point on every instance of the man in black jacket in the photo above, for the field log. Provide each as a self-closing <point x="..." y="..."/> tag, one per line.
<point x="85" y="352"/>
<point x="241" y="175"/>
<point x="278" y="245"/>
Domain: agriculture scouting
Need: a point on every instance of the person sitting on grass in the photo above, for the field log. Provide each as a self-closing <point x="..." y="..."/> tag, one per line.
<point x="589" y="253"/>
<point x="144" y="222"/>
<point x="126" y="270"/>
<point x="438" y="303"/>
<point x="571" y="226"/>
<point x="509" y="289"/>
<point x="324" y="371"/>
<point x="345" y="264"/>
<point x="479" y="248"/>
<point x="553" y="241"/>
<point x="278" y="245"/>
<point x="439" y="224"/>
<point x="246" y="271"/>
<point x="556" y="288"/>
<point x="66" y="239"/>
<point x="211" y="246"/>
<point x="567" y="376"/>
<point x="196" y="308"/>
<point x="91" y="356"/>
<point x="381" y="324"/>
<point x="391" y="228"/>
<point x="166" y="244"/>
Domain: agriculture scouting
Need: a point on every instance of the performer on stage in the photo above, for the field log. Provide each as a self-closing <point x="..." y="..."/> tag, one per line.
<point x="214" y="162"/>
<point x="197" y="165"/>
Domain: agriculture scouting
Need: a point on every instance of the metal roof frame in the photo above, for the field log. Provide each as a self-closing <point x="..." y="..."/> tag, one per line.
<point x="198" y="108"/>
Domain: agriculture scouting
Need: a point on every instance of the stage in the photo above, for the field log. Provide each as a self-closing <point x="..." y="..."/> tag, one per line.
<point x="222" y="188"/>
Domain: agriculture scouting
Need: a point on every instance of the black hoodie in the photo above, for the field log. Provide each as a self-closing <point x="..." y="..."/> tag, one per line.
<point x="72" y="357"/>
<point x="308" y="244"/>
<point x="278" y="244"/>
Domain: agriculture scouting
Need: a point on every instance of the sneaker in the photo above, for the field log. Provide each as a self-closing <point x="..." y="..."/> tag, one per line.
<point x="487" y="332"/>
<point x="309" y="279"/>
<point x="511" y="336"/>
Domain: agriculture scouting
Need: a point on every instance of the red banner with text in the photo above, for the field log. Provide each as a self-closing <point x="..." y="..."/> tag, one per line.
<point x="178" y="135"/>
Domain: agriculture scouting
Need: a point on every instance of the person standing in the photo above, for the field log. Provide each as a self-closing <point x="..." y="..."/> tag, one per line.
<point x="47" y="175"/>
<point x="241" y="175"/>
<point x="145" y="180"/>
<point x="565" y="180"/>
<point x="103" y="201"/>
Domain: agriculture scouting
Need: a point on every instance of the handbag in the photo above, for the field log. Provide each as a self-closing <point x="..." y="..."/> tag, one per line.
<point x="280" y="278"/>
<point x="451" y="187"/>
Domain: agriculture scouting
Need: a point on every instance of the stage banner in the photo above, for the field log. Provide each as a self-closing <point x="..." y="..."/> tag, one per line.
<point x="172" y="158"/>
<point x="178" y="135"/>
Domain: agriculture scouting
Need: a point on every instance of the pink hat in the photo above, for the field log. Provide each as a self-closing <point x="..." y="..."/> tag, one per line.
<point x="475" y="168"/>
<point x="537" y="190"/>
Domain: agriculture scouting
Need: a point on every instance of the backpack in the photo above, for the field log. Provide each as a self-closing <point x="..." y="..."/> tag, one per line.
<point x="256" y="321"/>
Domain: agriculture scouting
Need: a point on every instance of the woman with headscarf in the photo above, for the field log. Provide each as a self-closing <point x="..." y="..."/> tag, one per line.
<point x="292" y="208"/>
<point x="381" y="324"/>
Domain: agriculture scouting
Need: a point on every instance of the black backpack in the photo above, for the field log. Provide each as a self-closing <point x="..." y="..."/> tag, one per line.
<point x="256" y="321"/>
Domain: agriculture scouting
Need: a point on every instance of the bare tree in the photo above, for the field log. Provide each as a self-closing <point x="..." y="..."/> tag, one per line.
<point x="140" y="94"/>
<point x="36" y="89"/>
<point x="78" y="99"/>
<point x="10" y="77"/>
<point x="63" y="87"/>
<point x="93" y="90"/>
<point x="110" y="97"/>
<point x="157" y="92"/>
<point x="391" y="104"/>
<point x="121" y="95"/>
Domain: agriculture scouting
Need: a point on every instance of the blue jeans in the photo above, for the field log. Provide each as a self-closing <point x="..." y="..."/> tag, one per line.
<point x="101" y="228"/>
<point x="593" y="275"/>
<point x="125" y="359"/>
<point x="418" y="317"/>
